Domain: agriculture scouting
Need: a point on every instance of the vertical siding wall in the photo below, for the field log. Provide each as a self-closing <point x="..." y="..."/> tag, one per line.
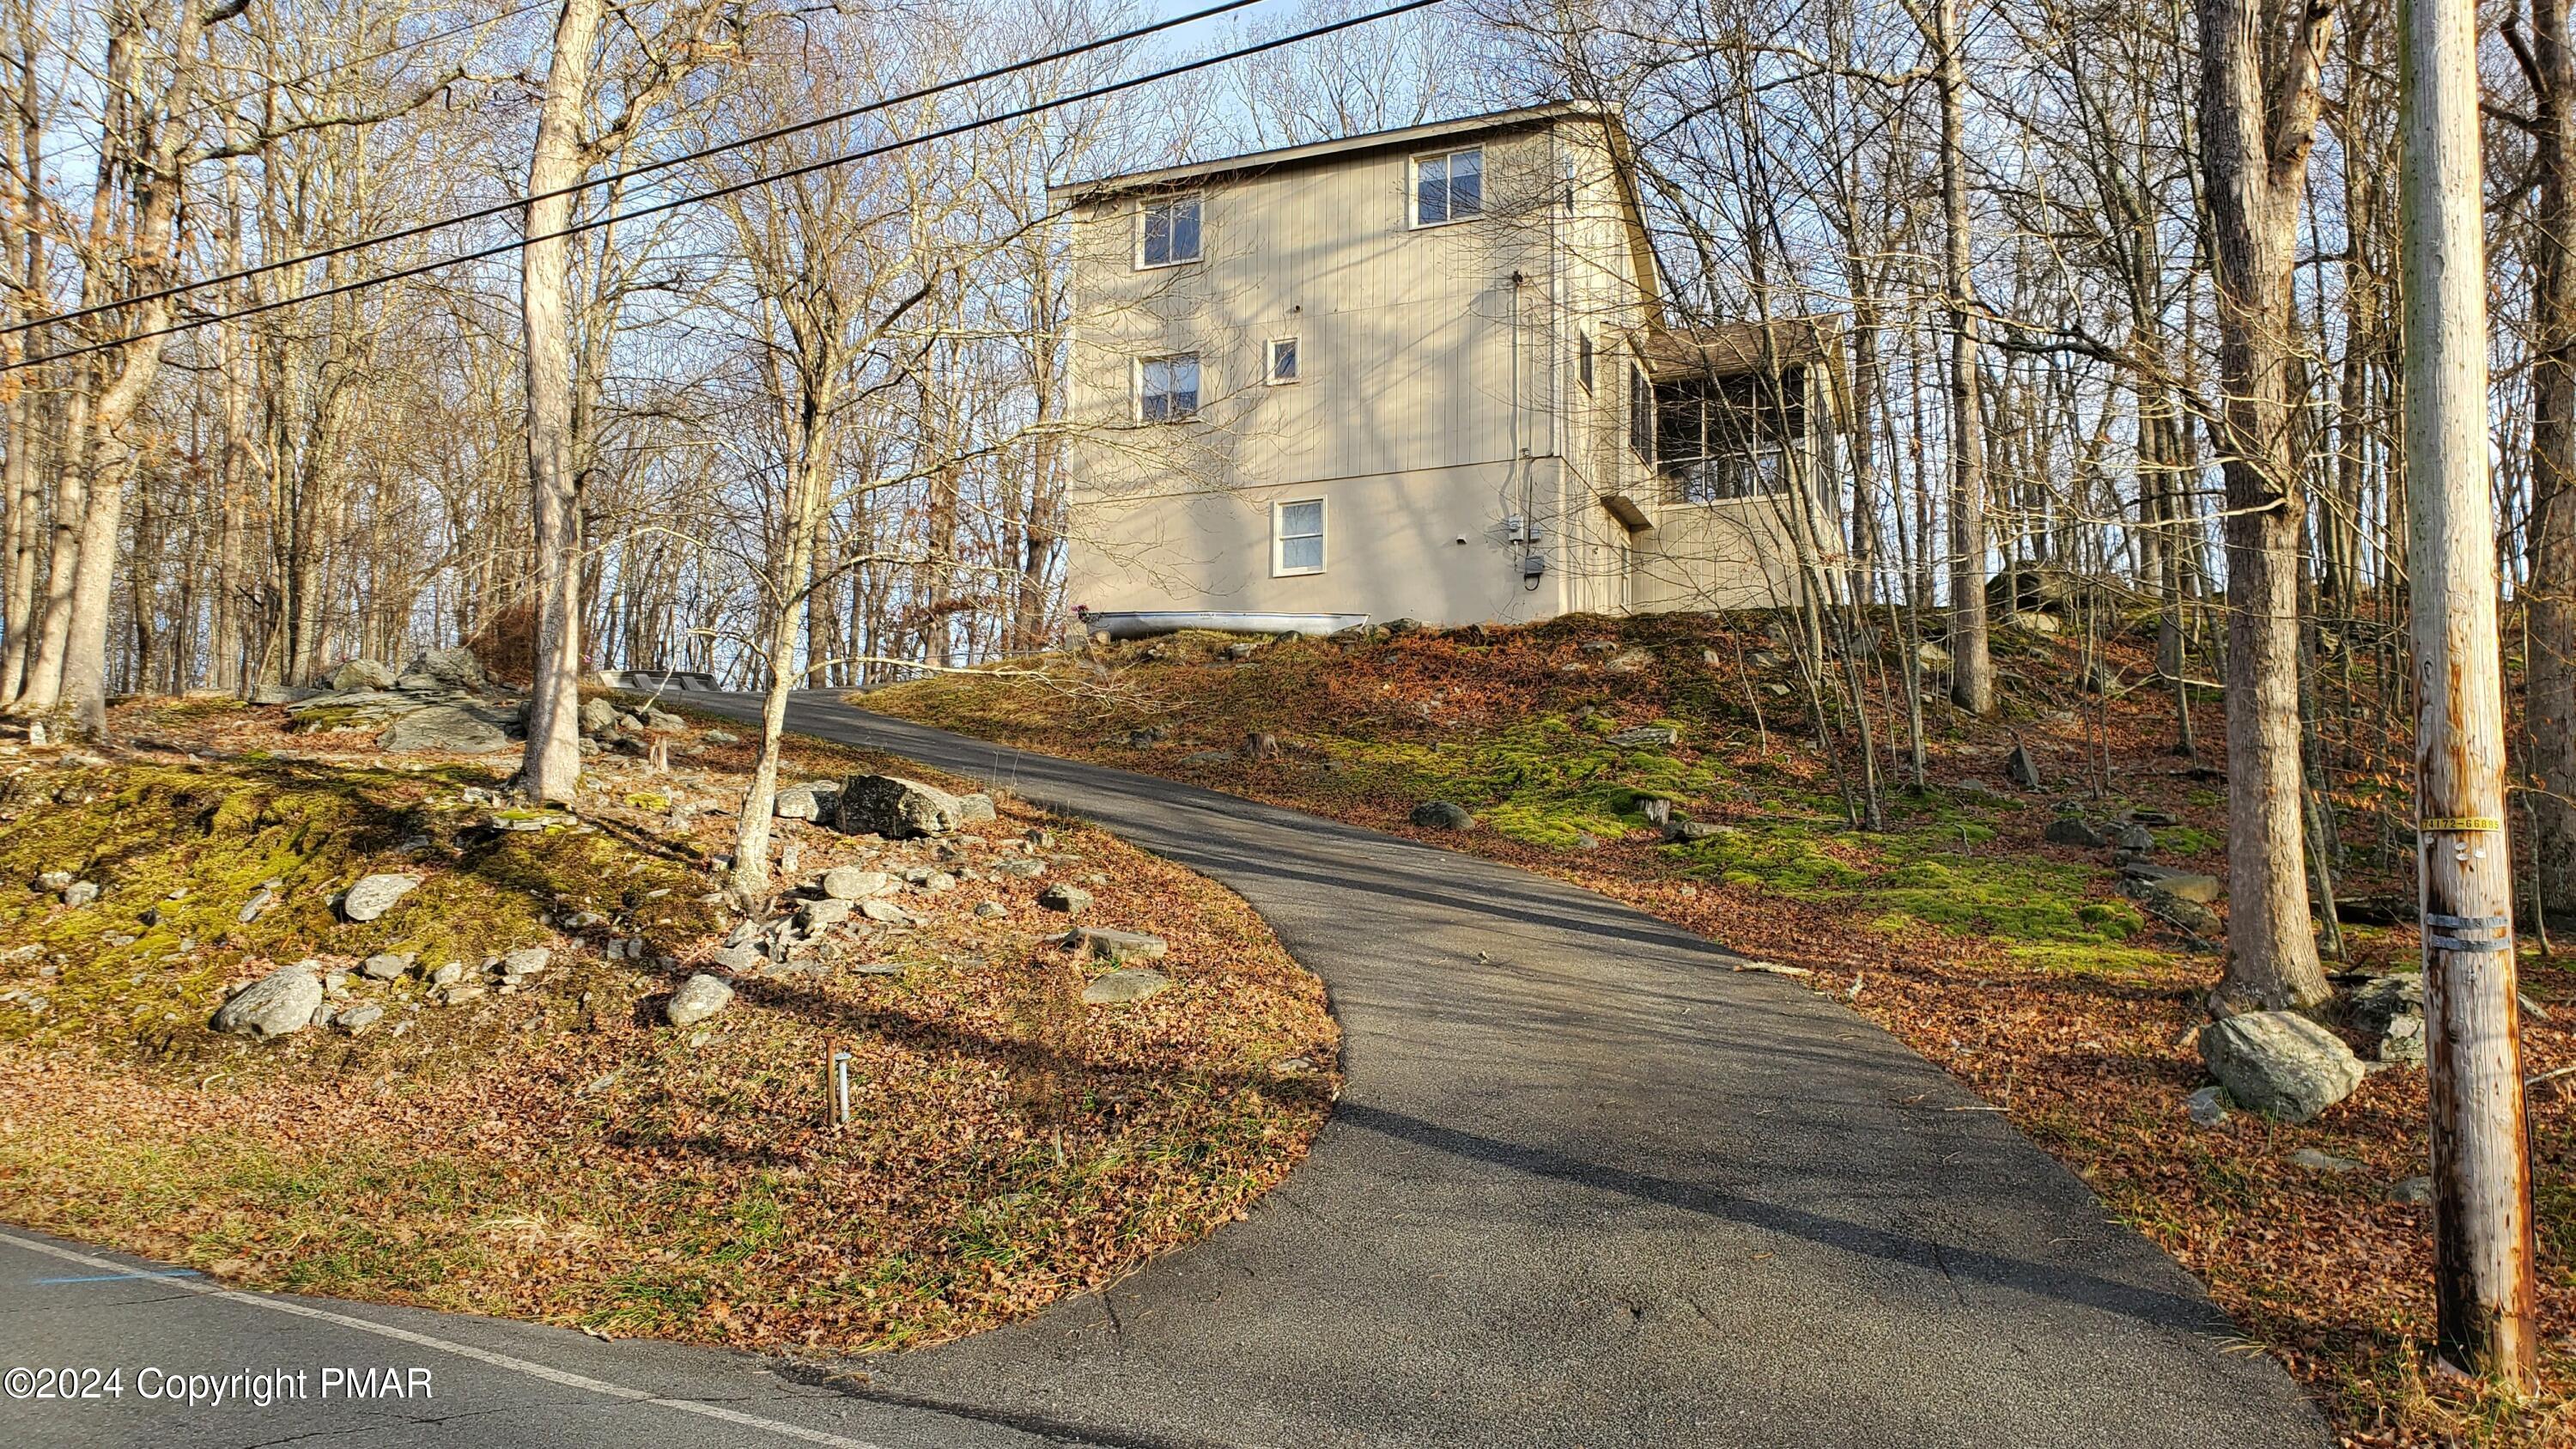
<point x="1427" y="410"/>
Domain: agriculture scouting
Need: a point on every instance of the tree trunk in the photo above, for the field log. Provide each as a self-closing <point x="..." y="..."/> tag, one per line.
<point x="1972" y="670"/>
<point x="552" y="766"/>
<point x="2482" y="1231"/>
<point x="2550" y="720"/>
<point x="2257" y="130"/>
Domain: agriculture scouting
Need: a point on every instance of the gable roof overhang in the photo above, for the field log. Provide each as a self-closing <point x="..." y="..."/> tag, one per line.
<point x="1168" y="178"/>
<point x="1732" y="349"/>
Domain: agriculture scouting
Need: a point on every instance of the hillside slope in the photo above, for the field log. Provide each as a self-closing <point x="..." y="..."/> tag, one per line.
<point x="1672" y="762"/>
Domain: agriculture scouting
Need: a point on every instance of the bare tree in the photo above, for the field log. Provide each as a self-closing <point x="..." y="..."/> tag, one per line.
<point x="2259" y="101"/>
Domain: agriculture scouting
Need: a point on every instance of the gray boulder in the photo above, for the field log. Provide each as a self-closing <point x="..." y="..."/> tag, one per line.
<point x="356" y="1019"/>
<point x="443" y="727"/>
<point x="283" y="1001"/>
<point x="699" y="997"/>
<point x="1442" y="815"/>
<point x="2280" y="1063"/>
<point x="2382" y="999"/>
<point x="2207" y="1107"/>
<point x="849" y="883"/>
<point x="384" y="966"/>
<point x="1121" y="987"/>
<point x="1115" y="946"/>
<point x="2022" y="769"/>
<point x="598" y="716"/>
<point x="2403" y="1043"/>
<point x="662" y="719"/>
<point x="815" y="916"/>
<point x="361" y="674"/>
<point x="2172" y="909"/>
<point x="1691" y="832"/>
<point x="280" y="694"/>
<point x="896" y="808"/>
<point x="443" y="669"/>
<point x="374" y="895"/>
<point x="80" y="893"/>
<point x="814" y="800"/>
<point x="1070" y="899"/>
<point x="1644" y="735"/>
<point x="2071" y="830"/>
<point x="975" y="807"/>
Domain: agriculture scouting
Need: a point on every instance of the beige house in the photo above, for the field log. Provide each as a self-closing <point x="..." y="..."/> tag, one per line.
<point x="1423" y="374"/>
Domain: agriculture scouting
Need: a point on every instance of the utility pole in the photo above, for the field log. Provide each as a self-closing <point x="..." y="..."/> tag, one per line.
<point x="2482" y="1239"/>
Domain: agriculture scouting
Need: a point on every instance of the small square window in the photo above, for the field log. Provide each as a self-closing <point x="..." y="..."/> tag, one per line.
<point x="1170" y="232"/>
<point x="1283" y="360"/>
<point x="1297" y="537"/>
<point x="1167" y="388"/>
<point x="1449" y="187"/>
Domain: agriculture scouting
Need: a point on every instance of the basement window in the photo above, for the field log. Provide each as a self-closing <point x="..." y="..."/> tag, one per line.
<point x="1297" y="537"/>
<point x="1168" y="232"/>
<point x="1167" y="388"/>
<point x="1449" y="187"/>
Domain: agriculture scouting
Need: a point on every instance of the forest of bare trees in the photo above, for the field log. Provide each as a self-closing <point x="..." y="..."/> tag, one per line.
<point x="2116" y="286"/>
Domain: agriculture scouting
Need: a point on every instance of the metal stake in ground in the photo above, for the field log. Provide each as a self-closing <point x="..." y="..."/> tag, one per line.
<point x="2481" y="1164"/>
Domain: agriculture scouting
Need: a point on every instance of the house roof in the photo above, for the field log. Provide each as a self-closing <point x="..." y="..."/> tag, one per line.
<point x="1522" y="118"/>
<point x="1729" y="349"/>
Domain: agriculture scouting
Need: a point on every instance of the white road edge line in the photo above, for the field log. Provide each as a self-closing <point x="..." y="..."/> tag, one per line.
<point x="463" y="1350"/>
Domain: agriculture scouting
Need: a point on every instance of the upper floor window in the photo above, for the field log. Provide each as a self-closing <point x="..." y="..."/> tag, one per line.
<point x="1167" y="388"/>
<point x="1283" y="360"/>
<point x="1583" y="358"/>
<point x="1170" y="232"/>
<point x="1449" y="187"/>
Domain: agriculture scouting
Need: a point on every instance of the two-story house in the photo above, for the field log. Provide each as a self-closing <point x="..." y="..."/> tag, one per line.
<point x="1426" y="374"/>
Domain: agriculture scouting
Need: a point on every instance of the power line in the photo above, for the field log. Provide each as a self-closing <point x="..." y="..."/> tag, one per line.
<point x="648" y="168"/>
<point x="943" y="133"/>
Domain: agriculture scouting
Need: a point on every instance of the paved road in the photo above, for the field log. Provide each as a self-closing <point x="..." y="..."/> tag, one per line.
<point x="1586" y="1186"/>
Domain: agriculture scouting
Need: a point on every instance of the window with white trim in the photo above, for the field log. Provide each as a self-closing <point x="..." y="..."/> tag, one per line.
<point x="1168" y="232"/>
<point x="1282" y="363"/>
<point x="1448" y="187"/>
<point x="1167" y="388"/>
<point x="1297" y="537"/>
